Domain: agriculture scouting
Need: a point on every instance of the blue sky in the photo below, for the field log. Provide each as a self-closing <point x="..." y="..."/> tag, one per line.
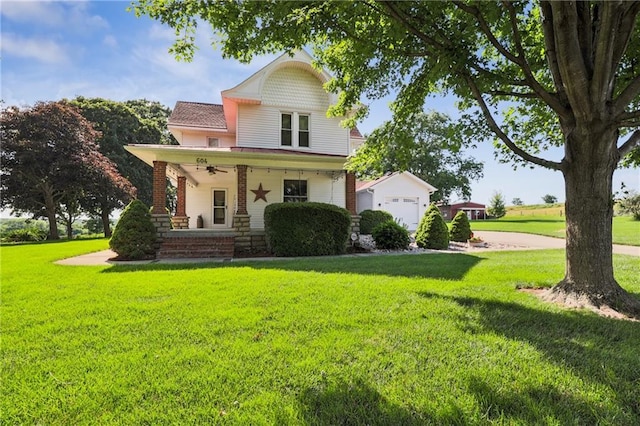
<point x="55" y="50"/>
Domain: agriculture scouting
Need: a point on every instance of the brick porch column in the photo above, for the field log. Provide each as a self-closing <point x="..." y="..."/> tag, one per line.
<point x="350" y="183"/>
<point x="159" y="187"/>
<point x="181" y="220"/>
<point x="181" y="209"/>
<point x="242" y="190"/>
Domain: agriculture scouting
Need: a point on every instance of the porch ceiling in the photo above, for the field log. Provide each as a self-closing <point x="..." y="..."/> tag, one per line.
<point x="229" y="157"/>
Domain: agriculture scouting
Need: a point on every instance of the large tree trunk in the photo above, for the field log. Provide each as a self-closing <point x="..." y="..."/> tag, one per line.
<point x="106" y="225"/>
<point x="69" y="225"/>
<point x="53" y="226"/>
<point x="589" y="280"/>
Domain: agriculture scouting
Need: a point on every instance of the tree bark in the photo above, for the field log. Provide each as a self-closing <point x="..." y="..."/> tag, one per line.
<point x="69" y="229"/>
<point x="50" y="207"/>
<point x="588" y="173"/>
<point x="106" y="225"/>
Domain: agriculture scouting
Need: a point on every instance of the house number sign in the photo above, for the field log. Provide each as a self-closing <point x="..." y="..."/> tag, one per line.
<point x="200" y="161"/>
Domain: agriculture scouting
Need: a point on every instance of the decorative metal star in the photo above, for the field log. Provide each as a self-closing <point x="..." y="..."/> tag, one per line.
<point x="261" y="194"/>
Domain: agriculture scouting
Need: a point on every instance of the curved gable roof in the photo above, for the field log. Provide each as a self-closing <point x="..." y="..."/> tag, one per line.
<point x="251" y="89"/>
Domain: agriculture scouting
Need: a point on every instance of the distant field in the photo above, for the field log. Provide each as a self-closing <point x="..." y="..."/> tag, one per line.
<point x="537" y="210"/>
<point x="625" y="230"/>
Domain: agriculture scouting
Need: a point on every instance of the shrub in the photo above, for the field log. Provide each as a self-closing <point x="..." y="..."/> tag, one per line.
<point x="496" y="207"/>
<point x="134" y="236"/>
<point x="25" y="234"/>
<point x="390" y="236"/>
<point x="306" y="229"/>
<point x="460" y="228"/>
<point x="631" y="205"/>
<point x="369" y="219"/>
<point x="432" y="232"/>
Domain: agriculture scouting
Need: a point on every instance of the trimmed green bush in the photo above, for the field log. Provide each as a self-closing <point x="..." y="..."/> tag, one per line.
<point x="432" y="232"/>
<point x="134" y="236"/>
<point x="460" y="228"/>
<point x="369" y="219"/>
<point x="390" y="236"/>
<point x="306" y="229"/>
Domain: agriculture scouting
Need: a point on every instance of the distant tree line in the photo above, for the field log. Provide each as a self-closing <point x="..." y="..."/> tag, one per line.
<point x="61" y="160"/>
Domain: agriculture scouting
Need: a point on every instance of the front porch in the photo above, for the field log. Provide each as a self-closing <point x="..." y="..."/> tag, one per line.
<point x="178" y="239"/>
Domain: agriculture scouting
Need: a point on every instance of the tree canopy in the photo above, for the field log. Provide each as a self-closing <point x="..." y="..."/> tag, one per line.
<point x="50" y="161"/>
<point x="426" y="146"/>
<point x="559" y="73"/>
<point x="122" y="123"/>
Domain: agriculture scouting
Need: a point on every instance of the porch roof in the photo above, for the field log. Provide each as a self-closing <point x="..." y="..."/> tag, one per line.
<point x="252" y="157"/>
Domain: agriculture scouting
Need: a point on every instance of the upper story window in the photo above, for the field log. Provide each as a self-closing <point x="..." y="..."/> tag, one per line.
<point x="303" y="131"/>
<point x="295" y="130"/>
<point x="286" y="130"/>
<point x="213" y="142"/>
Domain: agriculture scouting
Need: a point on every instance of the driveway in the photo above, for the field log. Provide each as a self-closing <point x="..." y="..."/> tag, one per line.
<point x="517" y="240"/>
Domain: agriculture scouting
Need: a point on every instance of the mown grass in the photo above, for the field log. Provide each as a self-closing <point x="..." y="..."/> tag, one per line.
<point x="625" y="229"/>
<point x="406" y="339"/>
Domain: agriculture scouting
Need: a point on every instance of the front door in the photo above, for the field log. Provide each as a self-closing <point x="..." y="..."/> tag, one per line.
<point x="219" y="207"/>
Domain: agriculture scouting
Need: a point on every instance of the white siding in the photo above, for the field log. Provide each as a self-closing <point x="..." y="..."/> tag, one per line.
<point x="364" y="201"/>
<point x="291" y="90"/>
<point x="321" y="188"/>
<point x="199" y="200"/>
<point x="258" y="126"/>
<point x="200" y="139"/>
<point x="328" y="136"/>
<point x="401" y="186"/>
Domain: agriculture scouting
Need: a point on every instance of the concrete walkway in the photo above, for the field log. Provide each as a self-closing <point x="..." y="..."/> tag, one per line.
<point x="495" y="241"/>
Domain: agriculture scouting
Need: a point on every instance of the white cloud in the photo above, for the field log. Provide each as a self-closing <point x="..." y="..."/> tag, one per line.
<point x="35" y="12"/>
<point x="41" y="49"/>
<point x="161" y="32"/>
<point x="73" y="16"/>
<point x="110" y="41"/>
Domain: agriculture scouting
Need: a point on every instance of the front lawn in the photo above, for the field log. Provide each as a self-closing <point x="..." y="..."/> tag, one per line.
<point x="625" y="229"/>
<point x="398" y="339"/>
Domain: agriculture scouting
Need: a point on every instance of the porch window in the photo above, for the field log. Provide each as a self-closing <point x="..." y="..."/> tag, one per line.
<point x="295" y="191"/>
<point x="286" y="130"/>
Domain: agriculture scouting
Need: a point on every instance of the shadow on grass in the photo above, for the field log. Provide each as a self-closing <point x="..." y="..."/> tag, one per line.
<point x="447" y="266"/>
<point x="360" y="404"/>
<point x="599" y="350"/>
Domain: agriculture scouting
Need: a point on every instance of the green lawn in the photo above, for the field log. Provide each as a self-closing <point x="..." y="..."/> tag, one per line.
<point x="625" y="230"/>
<point x="398" y="339"/>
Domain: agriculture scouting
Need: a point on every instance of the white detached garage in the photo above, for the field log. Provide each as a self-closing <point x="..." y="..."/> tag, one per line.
<point x="402" y="194"/>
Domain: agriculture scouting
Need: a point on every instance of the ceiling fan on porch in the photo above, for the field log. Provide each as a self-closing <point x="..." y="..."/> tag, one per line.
<point x="213" y="170"/>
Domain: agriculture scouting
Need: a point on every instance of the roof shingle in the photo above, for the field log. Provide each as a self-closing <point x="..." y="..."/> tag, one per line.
<point x="197" y="114"/>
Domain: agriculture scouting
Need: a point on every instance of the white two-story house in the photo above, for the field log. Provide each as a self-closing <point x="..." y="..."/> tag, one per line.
<point x="269" y="142"/>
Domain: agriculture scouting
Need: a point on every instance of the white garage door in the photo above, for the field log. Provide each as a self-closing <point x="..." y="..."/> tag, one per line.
<point x="404" y="210"/>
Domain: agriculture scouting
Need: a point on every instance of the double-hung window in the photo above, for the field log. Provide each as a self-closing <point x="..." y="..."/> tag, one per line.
<point x="295" y="130"/>
<point x="303" y="131"/>
<point x="286" y="130"/>
<point x="295" y="191"/>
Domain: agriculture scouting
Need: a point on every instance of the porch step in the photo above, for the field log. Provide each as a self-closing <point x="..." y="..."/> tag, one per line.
<point x="196" y="247"/>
